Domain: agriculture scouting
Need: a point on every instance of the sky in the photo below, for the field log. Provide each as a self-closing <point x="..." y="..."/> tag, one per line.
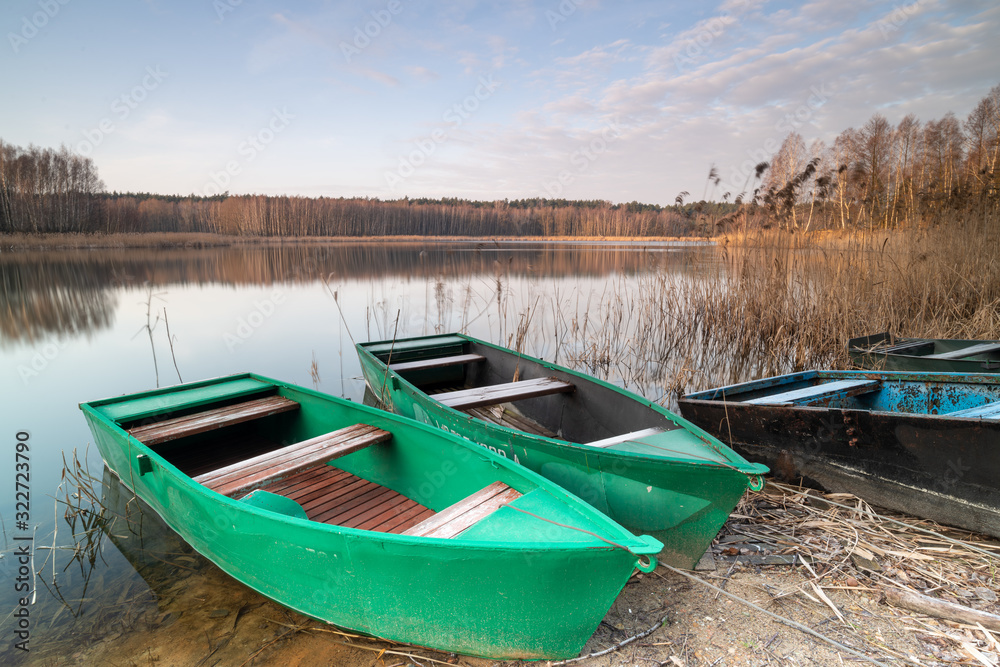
<point x="576" y="99"/>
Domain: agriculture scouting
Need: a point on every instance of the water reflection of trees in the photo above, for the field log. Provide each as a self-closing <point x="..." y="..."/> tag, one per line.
<point x="41" y="299"/>
<point x="66" y="292"/>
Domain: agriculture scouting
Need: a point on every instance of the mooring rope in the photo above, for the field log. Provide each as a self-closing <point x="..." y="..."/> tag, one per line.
<point x="563" y="525"/>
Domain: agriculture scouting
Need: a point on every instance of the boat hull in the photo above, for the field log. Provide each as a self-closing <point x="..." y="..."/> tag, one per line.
<point x="525" y="600"/>
<point x="928" y="465"/>
<point x="681" y="503"/>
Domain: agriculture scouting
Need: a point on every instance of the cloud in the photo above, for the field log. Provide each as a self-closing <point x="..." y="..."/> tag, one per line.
<point x="422" y="73"/>
<point x="687" y="85"/>
<point x="376" y="75"/>
<point x="816" y="69"/>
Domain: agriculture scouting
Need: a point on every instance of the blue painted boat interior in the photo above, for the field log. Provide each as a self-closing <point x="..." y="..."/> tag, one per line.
<point x="930" y="398"/>
<point x="954" y="395"/>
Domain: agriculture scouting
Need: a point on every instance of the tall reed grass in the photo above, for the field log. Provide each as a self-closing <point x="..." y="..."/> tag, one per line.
<point x="804" y="298"/>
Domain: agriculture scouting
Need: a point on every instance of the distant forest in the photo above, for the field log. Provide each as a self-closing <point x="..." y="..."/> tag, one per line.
<point x="44" y="190"/>
<point x="878" y="176"/>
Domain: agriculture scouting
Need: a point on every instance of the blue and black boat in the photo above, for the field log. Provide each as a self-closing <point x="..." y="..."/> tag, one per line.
<point x="927" y="444"/>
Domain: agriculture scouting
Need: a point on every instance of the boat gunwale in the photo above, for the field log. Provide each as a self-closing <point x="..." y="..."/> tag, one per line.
<point x="618" y="536"/>
<point x="746" y="467"/>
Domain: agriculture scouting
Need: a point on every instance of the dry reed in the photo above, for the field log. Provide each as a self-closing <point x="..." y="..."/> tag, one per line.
<point x="853" y="552"/>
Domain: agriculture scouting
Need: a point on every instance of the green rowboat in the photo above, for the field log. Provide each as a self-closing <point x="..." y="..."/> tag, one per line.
<point x="369" y="521"/>
<point x="924" y="355"/>
<point x="646" y="468"/>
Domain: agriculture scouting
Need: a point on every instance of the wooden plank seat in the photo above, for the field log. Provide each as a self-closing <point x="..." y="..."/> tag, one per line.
<point x="437" y="362"/>
<point x="277" y="465"/>
<point x="625" y="437"/>
<point x="507" y="392"/>
<point x="988" y="411"/>
<point x="456" y="518"/>
<point x="972" y="350"/>
<point x="823" y="391"/>
<point x="209" y="420"/>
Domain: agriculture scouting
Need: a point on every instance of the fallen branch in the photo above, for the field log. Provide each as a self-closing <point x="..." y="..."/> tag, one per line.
<point x="948" y="611"/>
<point x="624" y="642"/>
<point x="384" y="651"/>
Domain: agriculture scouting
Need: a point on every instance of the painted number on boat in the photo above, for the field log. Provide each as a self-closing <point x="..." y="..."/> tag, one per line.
<point x="420" y="415"/>
<point x="497" y="450"/>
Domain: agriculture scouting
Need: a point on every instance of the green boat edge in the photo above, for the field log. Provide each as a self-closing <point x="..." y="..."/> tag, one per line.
<point x="441" y="606"/>
<point x="597" y="476"/>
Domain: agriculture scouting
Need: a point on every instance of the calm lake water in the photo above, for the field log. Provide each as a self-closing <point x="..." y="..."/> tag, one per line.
<point x="85" y="324"/>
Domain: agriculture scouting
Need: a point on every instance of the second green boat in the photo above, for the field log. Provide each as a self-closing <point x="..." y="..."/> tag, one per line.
<point x="650" y="470"/>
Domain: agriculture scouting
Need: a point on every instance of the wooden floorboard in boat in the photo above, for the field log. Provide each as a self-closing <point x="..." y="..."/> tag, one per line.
<point x="370" y="510"/>
<point x="510" y="419"/>
<point x="403" y="520"/>
<point x="341" y="498"/>
<point x="306" y="486"/>
<point x="331" y="495"/>
<point x="346" y="508"/>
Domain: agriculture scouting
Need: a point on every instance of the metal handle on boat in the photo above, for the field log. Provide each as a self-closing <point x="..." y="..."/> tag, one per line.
<point x="756" y="482"/>
<point x="649" y="566"/>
